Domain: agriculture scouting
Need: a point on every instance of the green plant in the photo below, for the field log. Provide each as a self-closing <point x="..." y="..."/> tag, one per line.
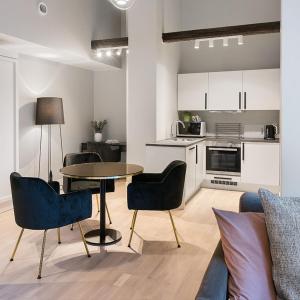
<point x="98" y="126"/>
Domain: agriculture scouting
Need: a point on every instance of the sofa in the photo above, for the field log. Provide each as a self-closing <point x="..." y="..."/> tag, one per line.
<point x="214" y="285"/>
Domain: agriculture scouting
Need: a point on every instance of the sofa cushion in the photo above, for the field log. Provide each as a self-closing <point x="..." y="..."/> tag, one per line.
<point x="283" y="225"/>
<point x="247" y="255"/>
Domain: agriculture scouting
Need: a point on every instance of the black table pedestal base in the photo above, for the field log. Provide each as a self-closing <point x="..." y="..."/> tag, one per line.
<point x="112" y="236"/>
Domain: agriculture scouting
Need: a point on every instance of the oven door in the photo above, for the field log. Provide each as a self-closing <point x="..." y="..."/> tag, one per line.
<point x="223" y="160"/>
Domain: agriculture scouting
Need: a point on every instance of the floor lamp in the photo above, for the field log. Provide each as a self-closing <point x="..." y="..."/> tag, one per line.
<point x="49" y="111"/>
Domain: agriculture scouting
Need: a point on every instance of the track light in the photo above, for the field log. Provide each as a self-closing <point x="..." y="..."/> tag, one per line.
<point x="211" y="43"/>
<point x="240" y="40"/>
<point x="99" y="53"/>
<point x="197" y="44"/>
<point x="225" y="42"/>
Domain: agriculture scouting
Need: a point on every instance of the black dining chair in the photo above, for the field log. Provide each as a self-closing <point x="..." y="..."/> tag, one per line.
<point x="37" y="206"/>
<point x="157" y="192"/>
<point x="73" y="184"/>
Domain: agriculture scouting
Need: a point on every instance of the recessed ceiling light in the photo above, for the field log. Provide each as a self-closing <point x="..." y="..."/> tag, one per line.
<point x="43" y="8"/>
<point x="122" y="4"/>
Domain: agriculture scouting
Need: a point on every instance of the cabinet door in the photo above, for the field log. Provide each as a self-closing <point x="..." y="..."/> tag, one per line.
<point x="192" y="91"/>
<point x="200" y="164"/>
<point x="225" y="90"/>
<point x="190" y="181"/>
<point x="260" y="163"/>
<point x="261" y="89"/>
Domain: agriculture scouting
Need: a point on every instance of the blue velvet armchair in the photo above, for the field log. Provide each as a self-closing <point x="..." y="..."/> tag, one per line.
<point x="157" y="192"/>
<point x="37" y="206"/>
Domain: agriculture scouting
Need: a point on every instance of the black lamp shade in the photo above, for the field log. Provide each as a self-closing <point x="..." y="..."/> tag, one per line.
<point x="49" y="110"/>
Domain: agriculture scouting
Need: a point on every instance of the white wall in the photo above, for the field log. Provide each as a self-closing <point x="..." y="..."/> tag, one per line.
<point x="38" y="78"/>
<point x="110" y="102"/>
<point x="260" y="51"/>
<point x="290" y="46"/>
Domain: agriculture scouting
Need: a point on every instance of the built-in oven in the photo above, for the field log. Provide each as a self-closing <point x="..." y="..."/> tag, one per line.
<point x="223" y="158"/>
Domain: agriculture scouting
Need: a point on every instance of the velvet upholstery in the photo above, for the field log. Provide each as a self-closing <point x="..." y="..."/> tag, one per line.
<point x="72" y="184"/>
<point x="38" y="206"/>
<point x="215" y="281"/>
<point x="159" y="192"/>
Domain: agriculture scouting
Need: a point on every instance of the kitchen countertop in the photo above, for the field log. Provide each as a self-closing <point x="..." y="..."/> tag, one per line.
<point x="187" y="142"/>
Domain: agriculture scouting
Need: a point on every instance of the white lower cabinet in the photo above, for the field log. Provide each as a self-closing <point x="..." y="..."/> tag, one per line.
<point x="158" y="157"/>
<point x="260" y="164"/>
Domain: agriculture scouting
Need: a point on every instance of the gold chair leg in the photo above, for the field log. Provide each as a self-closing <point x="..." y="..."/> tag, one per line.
<point x="42" y="255"/>
<point x="108" y="214"/>
<point x="58" y="235"/>
<point x="16" y="247"/>
<point x="72" y="227"/>
<point x="174" y="228"/>
<point x="83" y="239"/>
<point x="97" y="200"/>
<point x="132" y="226"/>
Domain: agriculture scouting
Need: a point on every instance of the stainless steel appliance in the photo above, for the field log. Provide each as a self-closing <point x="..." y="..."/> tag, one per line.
<point x="270" y="132"/>
<point x="192" y="129"/>
<point x="223" y="158"/>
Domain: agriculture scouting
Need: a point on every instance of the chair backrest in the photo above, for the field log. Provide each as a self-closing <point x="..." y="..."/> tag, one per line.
<point x="81" y="158"/>
<point x="173" y="178"/>
<point x="36" y="204"/>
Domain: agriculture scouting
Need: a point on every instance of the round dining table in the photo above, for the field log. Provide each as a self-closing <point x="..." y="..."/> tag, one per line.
<point x="102" y="171"/>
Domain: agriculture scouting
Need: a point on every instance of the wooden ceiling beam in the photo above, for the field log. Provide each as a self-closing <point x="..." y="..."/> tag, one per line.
<point x="249" y="29"/>
<point x="189" y="35"/>
<point x="110" y="43"/>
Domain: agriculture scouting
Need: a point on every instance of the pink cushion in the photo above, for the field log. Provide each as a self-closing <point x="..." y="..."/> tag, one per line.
<point x="247" y="255"/>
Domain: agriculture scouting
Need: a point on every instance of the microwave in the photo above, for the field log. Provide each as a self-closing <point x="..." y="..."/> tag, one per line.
<point x="194" y="129"/>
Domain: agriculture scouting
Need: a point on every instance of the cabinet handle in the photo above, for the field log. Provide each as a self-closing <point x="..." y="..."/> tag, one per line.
<point x="196" y="154"/>
<point x="205" y="101"/>
<point x="240" y="100"/>
<point x="245" y="100"/>
<point x="243" y="151"/>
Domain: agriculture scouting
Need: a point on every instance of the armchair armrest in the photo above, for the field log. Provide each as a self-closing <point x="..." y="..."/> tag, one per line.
<point x="147" y="177"/>
<point x="75" y="207"/>
<point x="215" y="280"/>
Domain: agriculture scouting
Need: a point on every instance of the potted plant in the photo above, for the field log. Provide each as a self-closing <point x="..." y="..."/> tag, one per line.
<point x="98" y="127"/>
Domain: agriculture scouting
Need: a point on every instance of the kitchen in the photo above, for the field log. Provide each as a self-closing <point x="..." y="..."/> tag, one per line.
<point x="227" y="131"/>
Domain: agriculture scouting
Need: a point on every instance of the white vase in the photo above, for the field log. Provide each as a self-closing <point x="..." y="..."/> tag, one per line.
<point x="98" y="137"/>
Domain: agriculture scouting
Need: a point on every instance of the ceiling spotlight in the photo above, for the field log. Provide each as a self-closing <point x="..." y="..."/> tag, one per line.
<point x="122" y="4"/>
<point x="225" y="42"/>
<point x="211" y="43"/>
<point x="240" y="40"/>
<point x="99" y="53"/>
<point x="108" y="53"/>
<point x="197" y="44"/>
<point x="119" y="52"/>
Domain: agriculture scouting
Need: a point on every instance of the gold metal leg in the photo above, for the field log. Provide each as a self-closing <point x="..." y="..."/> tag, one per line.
<point x="42" y="255"/>
<point x="72" y="227"/>
<point x="98" y="207"/>
<point x="58" y="235"/>
<point x="83" y="239"/>
<point x="108" y="214"/>
<point x="132" y="226"/>
<point x="174" y="228"/>
<point x="16" y="247"/>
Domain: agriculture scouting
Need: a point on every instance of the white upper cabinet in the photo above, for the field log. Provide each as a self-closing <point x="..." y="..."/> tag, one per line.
<point x="225" y="90"/>
<point x="260" y="163"/>
<point x="192" y="91"/>
<point x="261" y="90"/>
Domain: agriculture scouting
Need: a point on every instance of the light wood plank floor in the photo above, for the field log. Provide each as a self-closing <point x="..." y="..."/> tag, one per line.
<point x="156" y="269"/>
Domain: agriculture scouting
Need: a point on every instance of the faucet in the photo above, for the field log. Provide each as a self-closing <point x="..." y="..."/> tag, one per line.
<point x="177" y="122"/>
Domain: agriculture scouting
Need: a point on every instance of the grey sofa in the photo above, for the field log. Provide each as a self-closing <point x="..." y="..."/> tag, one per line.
<point x="215" y="280"/>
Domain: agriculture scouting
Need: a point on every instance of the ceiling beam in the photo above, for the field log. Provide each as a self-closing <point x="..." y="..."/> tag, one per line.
<point x="189" y="35"/>
<point x="249" y="29"/>
<point x="109" y="43"/>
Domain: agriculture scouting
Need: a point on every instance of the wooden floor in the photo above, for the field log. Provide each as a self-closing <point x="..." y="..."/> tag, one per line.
<point x="156" y="269"/>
